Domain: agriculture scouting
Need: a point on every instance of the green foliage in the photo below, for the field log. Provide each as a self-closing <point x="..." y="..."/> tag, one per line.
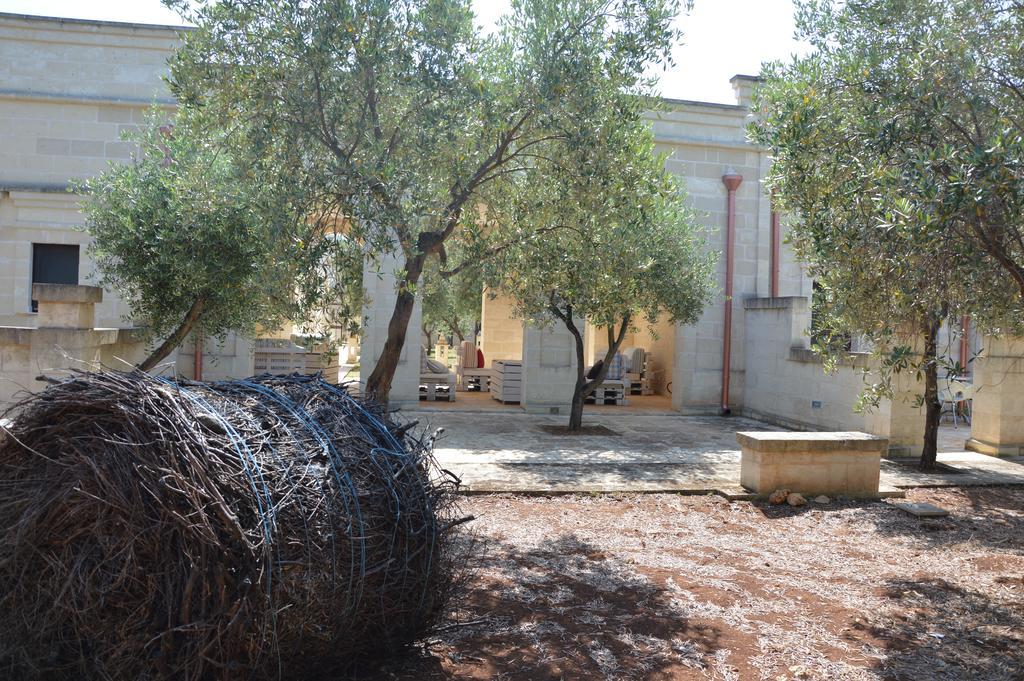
<point x="183" y="223"/>
<point x="451" y="304"/>
<point x="399" y="116"/>
<point x="897" y="147"/>
<point x="884" y="189"/>
<point x="604" y="233"/>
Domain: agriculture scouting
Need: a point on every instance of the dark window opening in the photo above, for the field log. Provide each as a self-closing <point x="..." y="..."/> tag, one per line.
<point x="54" y="264"/>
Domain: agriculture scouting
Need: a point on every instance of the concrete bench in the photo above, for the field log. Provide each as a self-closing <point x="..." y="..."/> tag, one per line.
<point x="838" y="463"/>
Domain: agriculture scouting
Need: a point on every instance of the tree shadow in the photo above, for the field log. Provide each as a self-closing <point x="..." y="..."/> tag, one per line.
<point x="564" y="609"/>
<point x="941" y="631"/>
<point x="989" y="516"/>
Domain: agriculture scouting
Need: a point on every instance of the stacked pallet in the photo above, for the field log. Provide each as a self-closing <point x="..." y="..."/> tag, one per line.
<point x="640" y="381"/>
<point x="507" y="380"/>
<point x="611" y="392"/>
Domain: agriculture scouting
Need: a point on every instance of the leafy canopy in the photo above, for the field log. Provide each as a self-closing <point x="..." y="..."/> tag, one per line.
<point x="604" y="233"/>
<point x="182" y="223"/>
<point x="399" y="113"/>
<point x="890" y="142"/>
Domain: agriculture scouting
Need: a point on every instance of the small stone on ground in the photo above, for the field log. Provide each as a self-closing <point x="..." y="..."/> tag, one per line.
<point x="795" y="499"/>
<point x="822" y="499"/>
<point x="922" y="510"/>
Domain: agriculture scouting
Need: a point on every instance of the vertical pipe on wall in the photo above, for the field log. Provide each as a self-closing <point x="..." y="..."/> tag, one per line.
<point x="732" y="181"/>
<point x="197" y="356"/>
<point x="965" y="342"/>
<point x="776" y="253"/>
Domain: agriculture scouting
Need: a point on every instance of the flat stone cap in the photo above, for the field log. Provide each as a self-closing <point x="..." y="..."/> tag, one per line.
<point x="67" y="293"/>
<point x="847" y="441"/>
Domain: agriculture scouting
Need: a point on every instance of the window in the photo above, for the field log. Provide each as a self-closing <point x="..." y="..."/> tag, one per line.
<point x="54" y="264"/>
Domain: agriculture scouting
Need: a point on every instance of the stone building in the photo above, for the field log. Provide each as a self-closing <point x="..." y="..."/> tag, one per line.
<point x="69" y="88"/>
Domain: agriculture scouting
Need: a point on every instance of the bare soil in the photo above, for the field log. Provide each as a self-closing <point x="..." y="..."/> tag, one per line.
<point x="672" y="587"/>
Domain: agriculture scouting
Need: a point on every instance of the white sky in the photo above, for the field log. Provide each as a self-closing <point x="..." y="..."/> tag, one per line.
<point x="721" y="37"/>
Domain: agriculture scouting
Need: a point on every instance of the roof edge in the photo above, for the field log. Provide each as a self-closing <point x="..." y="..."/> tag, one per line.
<point x="96" y="22"/>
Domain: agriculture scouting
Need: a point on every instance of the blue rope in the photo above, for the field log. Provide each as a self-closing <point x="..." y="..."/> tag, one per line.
<point x="247" y="458"/>
<point x="399" y="450"/>
<point x="343" y="478"/>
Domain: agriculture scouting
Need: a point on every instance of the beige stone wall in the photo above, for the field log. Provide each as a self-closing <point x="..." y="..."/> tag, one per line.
<point x="67" y="91"/>
<point x="501" y="334"/>
<point x="786" y="384"/>
<point x="997" y="427"/>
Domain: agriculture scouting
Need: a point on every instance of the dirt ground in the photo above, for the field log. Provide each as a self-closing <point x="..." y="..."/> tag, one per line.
<point x="674" y="587"/>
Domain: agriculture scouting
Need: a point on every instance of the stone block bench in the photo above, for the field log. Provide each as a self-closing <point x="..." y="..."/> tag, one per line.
<point x="837" y="463"/>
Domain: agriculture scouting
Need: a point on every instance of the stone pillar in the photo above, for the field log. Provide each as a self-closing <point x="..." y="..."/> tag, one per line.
<point x="380" y="285"/>
<point x="901" y="420"/>
<point x="501" y="334"/>
<point x="997" y="426"/>
<point x="65" y="337"/>
<point x="549" y="369"/>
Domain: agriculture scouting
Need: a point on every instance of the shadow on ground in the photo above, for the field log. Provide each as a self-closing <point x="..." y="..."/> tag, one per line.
<point x="941" y="631"/>
<point x="564" y="610"/>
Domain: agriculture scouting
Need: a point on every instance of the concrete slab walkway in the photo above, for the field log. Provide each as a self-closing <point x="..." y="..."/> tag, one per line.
<point x="509" y="452"/>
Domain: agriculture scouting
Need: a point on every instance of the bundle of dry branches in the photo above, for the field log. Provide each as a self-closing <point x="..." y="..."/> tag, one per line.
<point x="274" y="527"/>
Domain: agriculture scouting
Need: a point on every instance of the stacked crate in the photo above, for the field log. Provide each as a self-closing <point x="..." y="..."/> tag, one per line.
<point x="614" y="392"/>
<point x="640" y="381"/>
<point x="507" y="380"/>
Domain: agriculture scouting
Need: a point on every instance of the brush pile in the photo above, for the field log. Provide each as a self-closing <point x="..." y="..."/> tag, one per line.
<point x="268" y="528"/>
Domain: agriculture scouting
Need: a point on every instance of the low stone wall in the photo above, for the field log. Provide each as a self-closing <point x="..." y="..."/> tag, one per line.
<point x="838" y="463"/>
<point x="786" y="383"/>
<point x="64" y="338"/>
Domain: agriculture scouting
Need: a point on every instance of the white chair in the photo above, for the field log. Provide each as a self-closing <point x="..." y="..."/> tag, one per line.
<point x="954" y="394"/>
<point x="467" y="372"/>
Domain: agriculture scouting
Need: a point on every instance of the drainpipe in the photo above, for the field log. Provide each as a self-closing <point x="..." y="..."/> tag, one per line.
<point x="965" y="342"/>
<point x="776" y="253"/>
<point x="732" y="181"/>
<point x="197" y="357"/>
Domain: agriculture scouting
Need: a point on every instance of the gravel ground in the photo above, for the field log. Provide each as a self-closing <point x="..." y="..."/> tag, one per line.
<point x="673" y="587"/>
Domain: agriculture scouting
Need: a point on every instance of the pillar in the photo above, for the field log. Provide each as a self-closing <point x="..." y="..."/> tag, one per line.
<point x="549" y="368"/>
<point x="380" y="286"/>
<point x="997" y="426"/>
<point x="65" y="337"/>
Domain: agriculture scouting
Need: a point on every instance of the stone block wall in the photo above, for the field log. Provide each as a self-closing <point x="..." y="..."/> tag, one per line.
<point x="549" y="369"/>
<point x="786" y="383"/>
<point x="997" y="427"/>
<point x="68" y="89"/>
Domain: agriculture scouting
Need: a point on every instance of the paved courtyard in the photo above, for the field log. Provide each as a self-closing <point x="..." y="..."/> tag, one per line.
<point x="508" y="451"/>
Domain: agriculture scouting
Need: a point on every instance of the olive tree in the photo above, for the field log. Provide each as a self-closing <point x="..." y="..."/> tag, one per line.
<point x="451" y="304"/>
<point x="603" y="235"/>
<point x="197" y="244"/>
<point x="399" y="113"/>
<point x="896" y="147"/>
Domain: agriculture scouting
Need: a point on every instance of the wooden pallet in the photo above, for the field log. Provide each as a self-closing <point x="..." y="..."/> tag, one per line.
<point x="437" y="388"/>
<point x="506" y="380"/>
<point x="615" y="394"/>
<point x="640" y="381"/>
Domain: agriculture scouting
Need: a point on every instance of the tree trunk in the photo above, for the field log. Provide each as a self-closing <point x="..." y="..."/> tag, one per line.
<point x="456" y="331"/>
<point x="933" y="408"/>
<point x="585" y="388"/>
<point x="378" y="384"/>
<point x="579" y="397"/>
<point x="176" y="338"/>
